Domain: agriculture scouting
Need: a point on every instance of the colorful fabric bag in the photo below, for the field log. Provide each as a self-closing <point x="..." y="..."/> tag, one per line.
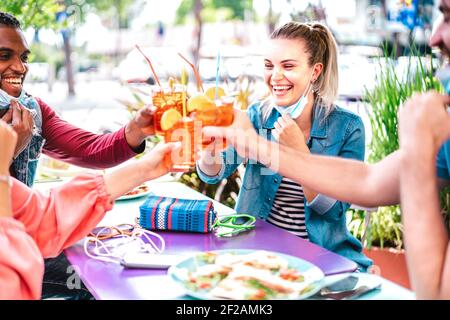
<point x="163" y="213"/>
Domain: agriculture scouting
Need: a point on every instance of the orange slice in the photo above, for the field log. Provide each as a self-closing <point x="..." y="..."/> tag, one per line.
<point x="200" y="102"/>
<point x="169" y="118"/>
<point x="211" y="93"/>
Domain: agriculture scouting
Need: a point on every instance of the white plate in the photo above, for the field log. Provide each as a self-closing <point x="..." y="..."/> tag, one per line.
<point x="134" y="196"/>
<point x="179" y="272"/>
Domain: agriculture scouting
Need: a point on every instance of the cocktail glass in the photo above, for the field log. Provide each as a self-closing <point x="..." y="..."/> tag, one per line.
<point x="218" y="113"/>
<point x="188" y="132"/>
<point x="165" y="98"/>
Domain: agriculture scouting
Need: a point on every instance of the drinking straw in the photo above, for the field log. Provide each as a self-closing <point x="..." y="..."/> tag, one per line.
<point x="217" y="74"/>
<point x="197" y="76"/>
<point x="183" y="96"/>
<point x="184" y="81"/>
<point x="150" y="63"/>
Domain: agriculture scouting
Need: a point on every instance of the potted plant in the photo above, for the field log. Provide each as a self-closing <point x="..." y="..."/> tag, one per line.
<point x="381" y="234"/>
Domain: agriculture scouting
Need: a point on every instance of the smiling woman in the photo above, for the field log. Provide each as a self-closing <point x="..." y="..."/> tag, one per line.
<point x="300" y="70"/>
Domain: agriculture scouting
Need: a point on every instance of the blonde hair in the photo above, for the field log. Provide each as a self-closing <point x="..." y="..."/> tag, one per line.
<point x="321" y="48"/>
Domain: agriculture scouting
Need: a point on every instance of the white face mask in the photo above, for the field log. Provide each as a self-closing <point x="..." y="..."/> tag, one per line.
<point x="114" y="249"/>
<point x="297" y="108"/>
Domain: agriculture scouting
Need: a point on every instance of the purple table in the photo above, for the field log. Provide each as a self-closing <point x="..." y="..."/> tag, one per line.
<point x="111" y="281"/>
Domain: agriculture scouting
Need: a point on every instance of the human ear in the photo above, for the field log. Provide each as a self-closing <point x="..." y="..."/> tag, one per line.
<point x="317" y="70"/>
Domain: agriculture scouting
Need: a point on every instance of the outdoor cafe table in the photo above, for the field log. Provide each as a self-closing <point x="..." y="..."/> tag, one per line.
<point x="112" y="281"/>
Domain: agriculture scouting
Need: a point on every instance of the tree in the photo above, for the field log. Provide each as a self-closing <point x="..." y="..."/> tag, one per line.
<point x="75" y="12"/>
<point x="121" y="11"/>
<point x="37" y="13"/>
<point x="271" y="18"/>
<point x="207" y="10"/>
<point x="234" y="9"/>
<point x="198" y="30"/>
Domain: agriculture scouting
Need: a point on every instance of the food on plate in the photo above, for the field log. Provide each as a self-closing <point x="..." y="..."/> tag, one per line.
<point x="256" y="275"/>
<point x="140" y="189"/>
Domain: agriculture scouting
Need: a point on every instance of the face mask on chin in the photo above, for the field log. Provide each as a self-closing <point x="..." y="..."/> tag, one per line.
<point x="443" y="75"/>
<point x="297" y="108"/>
<point x="5" y="98"/>
<point x="5" y="101"/>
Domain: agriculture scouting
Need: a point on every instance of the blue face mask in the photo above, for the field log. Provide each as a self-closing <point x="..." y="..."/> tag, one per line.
<point x="5" y="99"/>
<point x="296" y="109"/>
<point x="23" y="99"/>
<point x="443" y="75"/>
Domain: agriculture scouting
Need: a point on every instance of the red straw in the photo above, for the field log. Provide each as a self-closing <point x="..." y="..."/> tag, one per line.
<point x="150" y="63"/>
<point x="199" y="80"/>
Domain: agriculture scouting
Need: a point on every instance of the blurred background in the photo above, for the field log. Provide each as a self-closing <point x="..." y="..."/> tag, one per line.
<point x="83" y="50"/>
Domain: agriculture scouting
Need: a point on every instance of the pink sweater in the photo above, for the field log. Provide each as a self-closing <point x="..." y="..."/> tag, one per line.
<point x="42" y="226"/>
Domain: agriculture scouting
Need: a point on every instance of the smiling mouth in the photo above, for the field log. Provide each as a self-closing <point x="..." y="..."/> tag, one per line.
<point x="13" y="84"/>
<point x="281" y="90"/>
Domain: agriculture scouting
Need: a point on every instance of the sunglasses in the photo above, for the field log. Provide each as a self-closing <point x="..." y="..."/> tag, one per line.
<point x="234" y="224"/>
<point x="103" y="233"/>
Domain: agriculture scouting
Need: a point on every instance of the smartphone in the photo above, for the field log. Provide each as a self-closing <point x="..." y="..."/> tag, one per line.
<point x="150" y="260"/>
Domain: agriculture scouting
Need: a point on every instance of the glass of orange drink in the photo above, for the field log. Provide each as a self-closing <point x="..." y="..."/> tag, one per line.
<point x="172" y="122"/>
<point x="186" y="131"/>
<point x="211" y="110"/>
<point x="167" y="98"/>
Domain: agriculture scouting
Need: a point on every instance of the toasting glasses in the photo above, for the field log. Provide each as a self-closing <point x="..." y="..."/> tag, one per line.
<point x="231" y="225"/>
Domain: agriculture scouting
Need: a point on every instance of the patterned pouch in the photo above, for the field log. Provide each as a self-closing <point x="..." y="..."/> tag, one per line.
<point x="163" y="213"/>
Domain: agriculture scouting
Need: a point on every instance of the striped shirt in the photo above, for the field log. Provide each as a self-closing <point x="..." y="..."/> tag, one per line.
<point x="288" y="209"/>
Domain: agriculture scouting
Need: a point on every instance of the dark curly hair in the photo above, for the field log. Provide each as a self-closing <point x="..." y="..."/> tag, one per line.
<point x="9" y="20"/>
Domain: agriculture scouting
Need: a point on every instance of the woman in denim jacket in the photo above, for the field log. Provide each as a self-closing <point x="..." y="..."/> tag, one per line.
<point x="302" y="76"/>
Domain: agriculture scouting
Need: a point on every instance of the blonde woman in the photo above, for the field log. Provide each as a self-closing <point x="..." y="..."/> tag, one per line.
<point x="302" y="76"/>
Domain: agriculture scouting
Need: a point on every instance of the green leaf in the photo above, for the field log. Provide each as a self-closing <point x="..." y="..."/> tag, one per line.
<point x="385" y="228"/>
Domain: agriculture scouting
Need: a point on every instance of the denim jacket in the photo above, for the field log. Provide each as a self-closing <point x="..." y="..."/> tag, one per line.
<point x="25" y="164"/>
<point x="341" y="134"/>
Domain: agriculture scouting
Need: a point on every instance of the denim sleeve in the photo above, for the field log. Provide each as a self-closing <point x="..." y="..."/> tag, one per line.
<point x="441" y="162"/>
<point x="353" y="148"/>
<point x="230" y="161"/>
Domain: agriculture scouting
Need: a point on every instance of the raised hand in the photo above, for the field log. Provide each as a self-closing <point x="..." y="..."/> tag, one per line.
<point x="240" y="134"/>
<point x="140" y="127"/>
<point x="22" y="122"/>
<point x="159" y="160"/>
<point x="424" y="121"/>
<point x="288" y="133"/>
